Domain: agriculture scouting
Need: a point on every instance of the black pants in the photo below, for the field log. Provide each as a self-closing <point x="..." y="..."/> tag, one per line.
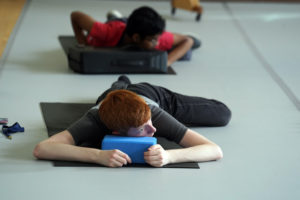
<point x="189" y="110"/>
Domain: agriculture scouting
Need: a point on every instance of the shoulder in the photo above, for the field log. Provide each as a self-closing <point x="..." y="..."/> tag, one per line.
<point x="156" y="112"/>
<point x="167" y="35"/>
<point x="88" y="129"/>
<point x="165" y="41"/>
<point x="166" y="125"/>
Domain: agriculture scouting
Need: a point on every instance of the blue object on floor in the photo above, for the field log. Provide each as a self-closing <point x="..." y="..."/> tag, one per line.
<point x="187" y="56"/>
<point x="7" y="130"/>
<point x="134" y="147"/>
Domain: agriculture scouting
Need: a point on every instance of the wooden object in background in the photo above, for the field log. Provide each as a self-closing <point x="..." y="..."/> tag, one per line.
<point x="10" y="11"/>
<point x="190" y="5"/>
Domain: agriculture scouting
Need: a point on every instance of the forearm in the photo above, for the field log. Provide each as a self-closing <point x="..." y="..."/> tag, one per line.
<point x="79" y="33"/>
<point x="81" y="23"/>
<point x="200" y="153"/>
<point x="180" y="50"/>
<point x="59" y="151"/>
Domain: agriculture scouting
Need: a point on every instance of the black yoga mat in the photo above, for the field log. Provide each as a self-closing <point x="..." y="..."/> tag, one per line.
<point x="113" y="60"/>
<point x="58" y="116"/>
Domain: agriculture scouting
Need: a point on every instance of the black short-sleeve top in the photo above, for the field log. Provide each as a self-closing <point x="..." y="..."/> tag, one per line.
<point x="89" y="130"/>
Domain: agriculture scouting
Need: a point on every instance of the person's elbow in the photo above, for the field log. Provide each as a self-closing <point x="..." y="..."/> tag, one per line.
<point x="74" y="14"/>
<point x="215" y="152"/>
<point x="40" y="150"/>
<point x="218" y="152"/>
<point x="37" y="151"/>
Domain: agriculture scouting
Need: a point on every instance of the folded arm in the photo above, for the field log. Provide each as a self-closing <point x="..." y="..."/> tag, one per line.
<point x="81" y="23"/>
<point x="196" y="148"/>
<point x="181" y="45"/>
<point x="61" y="146"/>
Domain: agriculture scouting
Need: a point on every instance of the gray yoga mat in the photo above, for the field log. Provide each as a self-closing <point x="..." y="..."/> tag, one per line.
<point x="58" y="116"/>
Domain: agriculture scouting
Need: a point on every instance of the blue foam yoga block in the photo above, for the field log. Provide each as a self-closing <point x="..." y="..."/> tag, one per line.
<point x="134" y="147"/>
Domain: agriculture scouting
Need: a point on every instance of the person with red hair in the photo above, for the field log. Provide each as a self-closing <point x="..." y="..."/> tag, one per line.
<point x="139" y="110"/>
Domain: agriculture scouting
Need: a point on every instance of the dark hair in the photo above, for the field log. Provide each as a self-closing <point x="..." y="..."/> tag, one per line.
<point x="145" y="21"/>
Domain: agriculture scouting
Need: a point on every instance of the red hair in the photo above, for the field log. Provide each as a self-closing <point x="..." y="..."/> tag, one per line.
<point x="123" y="109"/>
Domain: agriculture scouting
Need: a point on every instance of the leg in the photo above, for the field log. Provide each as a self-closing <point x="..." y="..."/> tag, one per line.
<point x="188" y="55"/>
<point x="123" y="19"/>
<point x="113" y="14"/>
<point x="122" y="83"/>
<point x="195" y="111"/>
<point x="196" y="44"/>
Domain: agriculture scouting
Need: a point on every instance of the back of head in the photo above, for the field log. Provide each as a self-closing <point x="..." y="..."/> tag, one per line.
<point x="145" y="21"/>
<point x="123" y="109"/>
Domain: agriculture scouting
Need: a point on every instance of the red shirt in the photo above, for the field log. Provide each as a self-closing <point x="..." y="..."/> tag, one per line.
<point x="109" y="34"/>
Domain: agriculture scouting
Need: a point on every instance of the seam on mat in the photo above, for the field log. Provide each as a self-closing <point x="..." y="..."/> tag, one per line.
<point x="266" y="65"/>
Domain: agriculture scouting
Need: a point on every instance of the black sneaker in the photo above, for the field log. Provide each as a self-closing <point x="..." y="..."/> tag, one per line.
<point x="113" y="14"/>
<point x="197" y="42"/>
<point x="125" y="79"/>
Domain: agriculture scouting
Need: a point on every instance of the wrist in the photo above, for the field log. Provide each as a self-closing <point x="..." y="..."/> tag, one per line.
<point x="96" y="156"/>
<point x="174" y="155"/>
<point x="170" y="158"/>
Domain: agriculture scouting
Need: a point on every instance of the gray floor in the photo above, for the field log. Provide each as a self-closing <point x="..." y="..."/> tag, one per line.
<point x="249" y="59"/>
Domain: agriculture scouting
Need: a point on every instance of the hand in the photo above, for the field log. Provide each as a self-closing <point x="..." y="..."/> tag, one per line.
<point x="156" y="156"/>
<point x="114" y="158"/>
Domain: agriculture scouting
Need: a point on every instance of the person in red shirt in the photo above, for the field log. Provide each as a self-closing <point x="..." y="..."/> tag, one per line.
<point x="144" y="28"/>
